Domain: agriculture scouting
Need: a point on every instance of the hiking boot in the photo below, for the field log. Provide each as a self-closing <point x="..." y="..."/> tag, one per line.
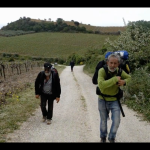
<point x="103" y="140"/>
<point x="112" y="141"/>
<point x="49" y="121"/>
<point x="44" y="119"/>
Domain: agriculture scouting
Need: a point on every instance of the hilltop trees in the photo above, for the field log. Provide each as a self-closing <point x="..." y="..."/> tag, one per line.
<point x="30" y="25"/>
<point x="26" y="24"/>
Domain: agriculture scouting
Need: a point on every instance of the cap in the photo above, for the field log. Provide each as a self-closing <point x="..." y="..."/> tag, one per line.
<point x="47" y="65"/>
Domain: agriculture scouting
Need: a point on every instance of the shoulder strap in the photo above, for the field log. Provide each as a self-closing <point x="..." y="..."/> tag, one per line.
<point x="106" y="71"/>
<point x="100" y="64"/>
<point x="119" y="71"/>
<point x="108" y="75"/>
<point x="55" y="70"/>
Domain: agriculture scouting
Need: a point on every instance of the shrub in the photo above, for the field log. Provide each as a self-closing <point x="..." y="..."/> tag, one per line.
<point x="11" y="59"/>
<point x="81" y="63"/>
<point x="138" y="85"/>
<point x="16" y="55"/>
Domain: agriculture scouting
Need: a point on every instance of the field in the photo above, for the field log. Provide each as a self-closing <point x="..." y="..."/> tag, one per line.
<point x="49" y="44"/>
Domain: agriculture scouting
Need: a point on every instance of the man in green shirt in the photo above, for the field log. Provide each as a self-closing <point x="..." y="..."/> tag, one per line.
<point x="110" y="104"/>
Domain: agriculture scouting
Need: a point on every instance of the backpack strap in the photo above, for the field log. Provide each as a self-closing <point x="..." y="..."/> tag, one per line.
<point x="55" y="70"/>
<point x="119" y="72"/>
<point x="125" y="66"/>
<point x="108" y="76"/>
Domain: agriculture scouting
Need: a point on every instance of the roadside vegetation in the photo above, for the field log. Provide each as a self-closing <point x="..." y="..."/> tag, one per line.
<point x="87" y="49"/>
<point x="136" y="40"/>
<point x="19" y="107"/>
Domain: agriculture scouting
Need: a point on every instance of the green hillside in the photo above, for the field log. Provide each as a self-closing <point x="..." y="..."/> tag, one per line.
<point x="49" y="44"/>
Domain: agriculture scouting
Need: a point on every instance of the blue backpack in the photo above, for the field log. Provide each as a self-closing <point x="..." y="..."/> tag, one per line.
<point x="123" y="54"/>
<point x="123" y="65"/>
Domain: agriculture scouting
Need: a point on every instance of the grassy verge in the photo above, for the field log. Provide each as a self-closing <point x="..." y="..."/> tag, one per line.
<point x="18" y="109"/>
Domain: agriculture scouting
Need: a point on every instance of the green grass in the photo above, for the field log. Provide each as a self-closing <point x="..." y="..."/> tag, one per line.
<point x="54" y="45"/>
<point x="16" y="111"/>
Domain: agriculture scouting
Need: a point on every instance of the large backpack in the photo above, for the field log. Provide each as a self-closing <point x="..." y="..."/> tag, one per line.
<point x="123" y="65"/>
<point x="119" y="95"/>
<point x="124" y="55"/>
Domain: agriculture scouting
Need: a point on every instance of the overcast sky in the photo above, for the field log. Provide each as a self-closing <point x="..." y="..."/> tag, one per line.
<point x="95" y="16"/>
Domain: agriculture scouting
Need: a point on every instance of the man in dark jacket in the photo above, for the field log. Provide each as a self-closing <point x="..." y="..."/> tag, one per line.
<point x="47" y="88"/>
<point x="72" y="65"/>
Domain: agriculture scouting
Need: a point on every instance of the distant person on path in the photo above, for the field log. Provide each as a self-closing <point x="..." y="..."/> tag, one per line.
<point x="107" y="104"/>
<point x="72" y="65"/>
<point x="48" y="89"/>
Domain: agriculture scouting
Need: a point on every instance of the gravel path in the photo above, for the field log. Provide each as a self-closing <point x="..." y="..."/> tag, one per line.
<point x="76" y="116"/>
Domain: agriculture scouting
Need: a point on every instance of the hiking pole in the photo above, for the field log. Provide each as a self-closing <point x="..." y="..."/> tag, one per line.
<point x="121" y="108"/>
<point x="118" y="99"/>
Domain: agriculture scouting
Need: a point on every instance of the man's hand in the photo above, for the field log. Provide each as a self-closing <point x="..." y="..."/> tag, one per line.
<point x="57" y="99"/>
<point x="118" y="77"/>
<point x="121" y="82"/>
<point x="37" y="96"/>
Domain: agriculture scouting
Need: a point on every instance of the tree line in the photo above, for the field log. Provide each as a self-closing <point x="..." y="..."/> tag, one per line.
<point x="27" y="24"/>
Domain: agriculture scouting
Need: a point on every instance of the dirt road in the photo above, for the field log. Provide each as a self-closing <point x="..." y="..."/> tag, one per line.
<point x="76" y="116"/>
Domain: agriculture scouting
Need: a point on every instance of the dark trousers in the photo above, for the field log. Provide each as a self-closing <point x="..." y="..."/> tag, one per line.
<point x="72" y="68"/>
<point x="45" y="98"/>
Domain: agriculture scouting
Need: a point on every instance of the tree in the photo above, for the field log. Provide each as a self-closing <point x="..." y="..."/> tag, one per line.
<point x="37" y="28"/>
<point x="76" y="23"/>
<point x="59" y="20"/>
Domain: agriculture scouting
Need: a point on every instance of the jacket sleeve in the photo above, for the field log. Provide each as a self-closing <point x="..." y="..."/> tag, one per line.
<point x="126" y="77"/>
<point x="37" y="84"/>
<point x="102" y="83"/>
<point x="57" y="85"/>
